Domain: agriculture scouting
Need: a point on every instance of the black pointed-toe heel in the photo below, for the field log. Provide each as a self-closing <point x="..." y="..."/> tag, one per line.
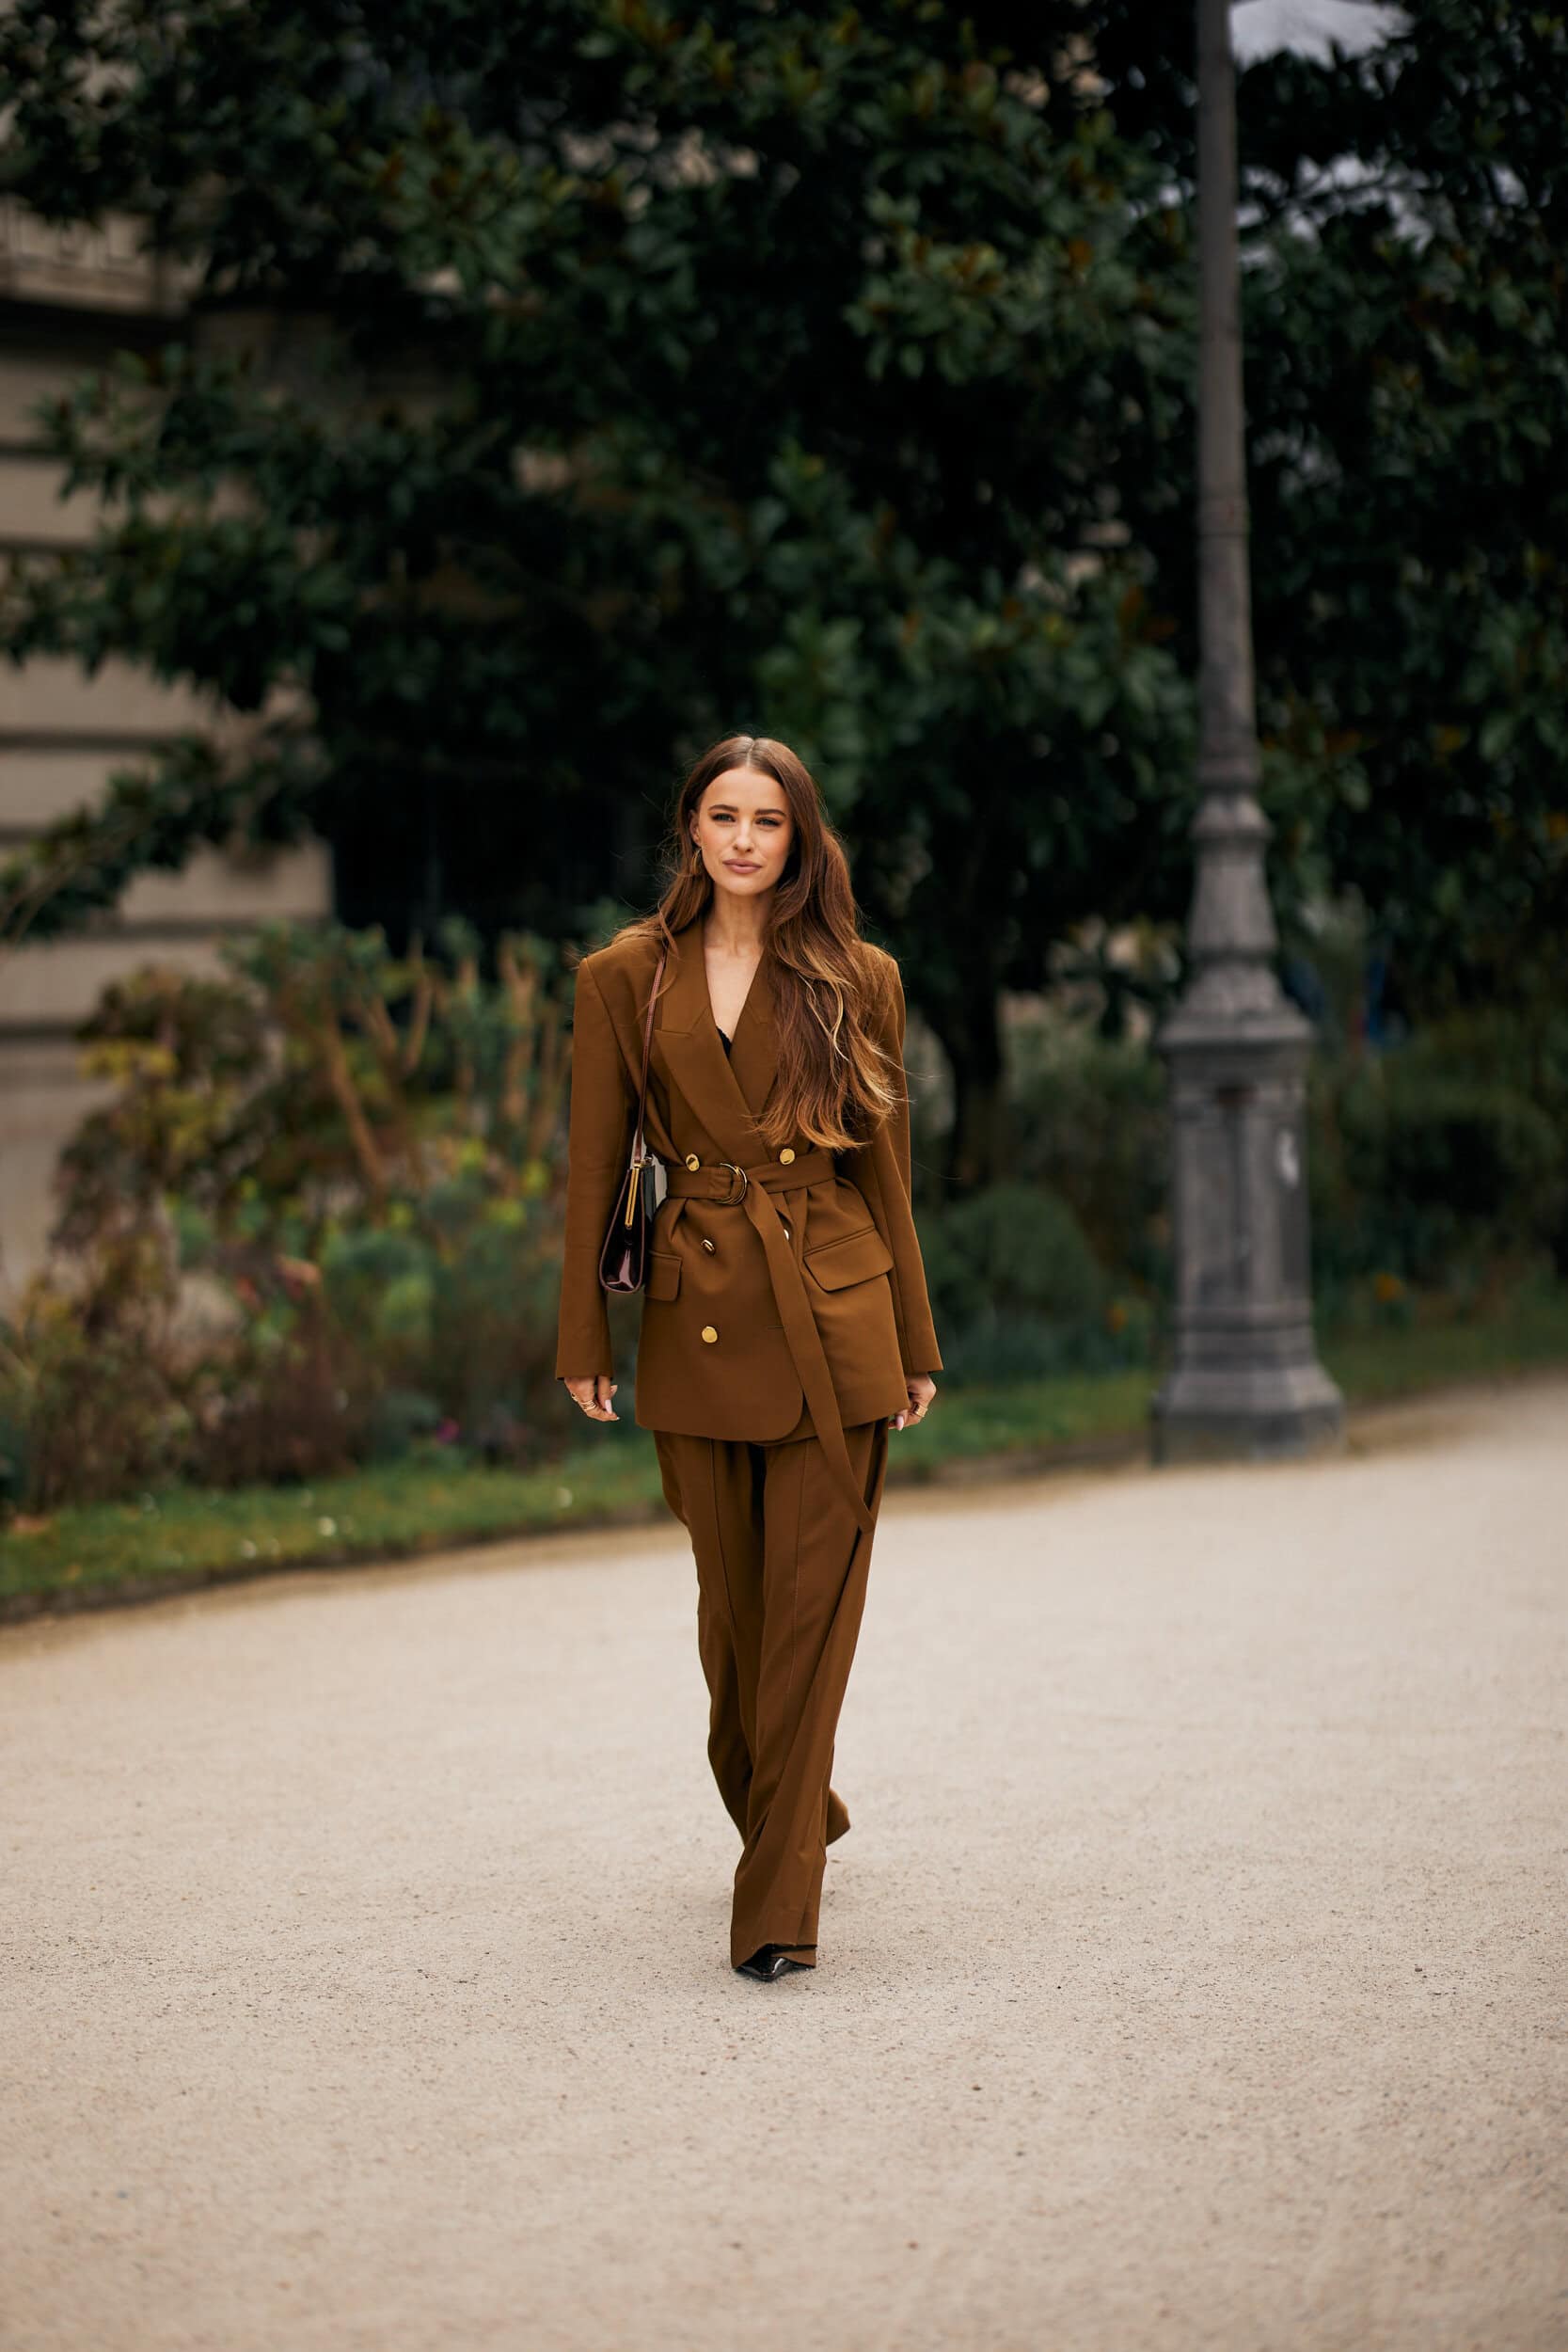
<point x="768" y="1965"/>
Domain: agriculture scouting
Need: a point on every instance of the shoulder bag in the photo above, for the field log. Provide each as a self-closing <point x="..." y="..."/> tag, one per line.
<point x="623" y="1259"/>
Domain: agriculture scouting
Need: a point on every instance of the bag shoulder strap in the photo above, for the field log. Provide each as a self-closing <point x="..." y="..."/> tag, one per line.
<point x="647" y="1050"/>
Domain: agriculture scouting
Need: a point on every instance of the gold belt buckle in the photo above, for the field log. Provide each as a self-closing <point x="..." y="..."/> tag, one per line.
<point x="731" y="1200"/>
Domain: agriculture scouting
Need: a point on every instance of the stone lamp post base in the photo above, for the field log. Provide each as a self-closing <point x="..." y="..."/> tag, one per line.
<point x="1245" y="1380"/>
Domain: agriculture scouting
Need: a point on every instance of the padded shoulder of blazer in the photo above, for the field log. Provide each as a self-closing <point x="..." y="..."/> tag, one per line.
<point x="622" y="955"/>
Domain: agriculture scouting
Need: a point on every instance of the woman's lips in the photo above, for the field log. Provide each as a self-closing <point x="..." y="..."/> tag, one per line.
<point x="736" y="866"/>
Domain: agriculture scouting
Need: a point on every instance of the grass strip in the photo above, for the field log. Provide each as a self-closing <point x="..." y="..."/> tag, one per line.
<point x="94" y="1553"/>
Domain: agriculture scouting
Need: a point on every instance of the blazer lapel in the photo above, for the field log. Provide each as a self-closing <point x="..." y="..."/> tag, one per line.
<point x="753" y="1061"/>
<point x="725" y="1090"/>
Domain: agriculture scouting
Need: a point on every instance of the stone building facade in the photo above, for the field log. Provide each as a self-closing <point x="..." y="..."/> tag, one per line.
<point x="67" y="302"/>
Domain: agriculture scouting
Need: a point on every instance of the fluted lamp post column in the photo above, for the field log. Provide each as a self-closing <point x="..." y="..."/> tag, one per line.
<point x="1244" y="1378"/>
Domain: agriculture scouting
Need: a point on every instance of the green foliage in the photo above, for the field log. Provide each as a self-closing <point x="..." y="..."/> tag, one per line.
<point x="86" y="1410"/>
<point x="516" y="444"/>
<point x="317" y="1218"/>
<point x="1408" y="370"/>
<point x="1089" y="1124"/>
<point x="1427" y="1175"/>
<point x="1406" y="354"/>
<point x="321" y="1062"/>
<point x="1438" y="1167"/>
<point x="830" y="373"/>
<point x="1017" y="1291"/>
<point x="1012" y="1244"/>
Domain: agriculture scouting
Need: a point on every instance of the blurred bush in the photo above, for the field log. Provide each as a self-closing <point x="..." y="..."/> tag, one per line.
<point x="1443" y="1163"/>
<point x="1089" y="1124"/>
<point x="318" y="1220"/>
<point x="1438" y="1169"/>
<point x="1018" y="1292"/>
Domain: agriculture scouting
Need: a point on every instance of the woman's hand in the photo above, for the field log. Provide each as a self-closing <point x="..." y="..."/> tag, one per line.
<point x="594" y="1394"/>
<point x="921" y="1388"/>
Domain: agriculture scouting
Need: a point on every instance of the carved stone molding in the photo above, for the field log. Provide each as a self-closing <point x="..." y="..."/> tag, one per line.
<point x="92" y="269"/>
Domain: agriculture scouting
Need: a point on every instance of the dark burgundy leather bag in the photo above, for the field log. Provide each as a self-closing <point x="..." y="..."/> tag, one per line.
<point x="623" y="1259"/>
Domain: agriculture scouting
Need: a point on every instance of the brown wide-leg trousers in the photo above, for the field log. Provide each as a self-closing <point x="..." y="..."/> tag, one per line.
<point x="781" y="1585"/>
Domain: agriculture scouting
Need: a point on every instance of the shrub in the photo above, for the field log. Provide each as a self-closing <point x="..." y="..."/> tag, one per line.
<point x="1425" y="1175"/>
<point x="87" y="1409"/>
<point x="1011" y="1245"/>
<point x="352" y="1165"/>
<point x="1017" y="1292"/>
<point x="1089" y="1121"/>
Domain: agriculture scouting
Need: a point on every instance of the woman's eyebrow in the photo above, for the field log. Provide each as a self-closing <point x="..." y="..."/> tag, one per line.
<point x="720" y="807"/>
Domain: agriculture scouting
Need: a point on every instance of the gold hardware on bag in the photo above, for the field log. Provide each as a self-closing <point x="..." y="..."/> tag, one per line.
<point x="632" y="1182"/>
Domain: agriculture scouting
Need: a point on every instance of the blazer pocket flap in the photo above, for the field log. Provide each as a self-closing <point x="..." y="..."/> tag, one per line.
<point x="853" y="1258"/>
<point x="664" y="1274"/>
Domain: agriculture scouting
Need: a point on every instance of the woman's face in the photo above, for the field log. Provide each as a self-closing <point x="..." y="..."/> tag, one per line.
<point x="743" y="828"/>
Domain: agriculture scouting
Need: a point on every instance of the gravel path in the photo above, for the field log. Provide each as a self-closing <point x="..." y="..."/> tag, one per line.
<point x="1193" y="1974"/>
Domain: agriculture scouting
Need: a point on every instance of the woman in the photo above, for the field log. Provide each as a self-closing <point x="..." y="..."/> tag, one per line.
<point x="785" y="1324"/>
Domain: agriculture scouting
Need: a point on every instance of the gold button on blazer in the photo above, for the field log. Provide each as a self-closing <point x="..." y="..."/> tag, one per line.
<point x="806" y="1265"/>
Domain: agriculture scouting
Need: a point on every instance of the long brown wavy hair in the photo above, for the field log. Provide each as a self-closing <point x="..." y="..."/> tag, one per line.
<point x="834" y="1081"/>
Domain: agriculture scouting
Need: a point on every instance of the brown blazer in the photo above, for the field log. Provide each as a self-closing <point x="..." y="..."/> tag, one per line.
<point x="786" y="1294"/>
